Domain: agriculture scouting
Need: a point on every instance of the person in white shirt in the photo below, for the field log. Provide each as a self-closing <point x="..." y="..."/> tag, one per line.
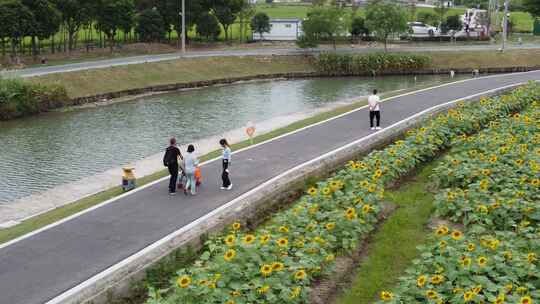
<point x="374" y="110"/>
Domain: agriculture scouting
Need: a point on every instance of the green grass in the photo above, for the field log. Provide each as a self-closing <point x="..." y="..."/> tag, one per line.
<point x="393" y="246"/>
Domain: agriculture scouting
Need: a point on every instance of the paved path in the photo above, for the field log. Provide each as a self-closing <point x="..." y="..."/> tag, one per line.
<point x="38" y="268"/>
<point x="99" y="64"/>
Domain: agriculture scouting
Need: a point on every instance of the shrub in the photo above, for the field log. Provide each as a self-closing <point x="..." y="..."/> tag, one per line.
<point x="357" y="65"/>
<point x="19" y="98"/>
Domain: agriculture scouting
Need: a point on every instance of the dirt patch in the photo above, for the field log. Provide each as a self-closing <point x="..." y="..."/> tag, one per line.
<point x="327" y="289"/>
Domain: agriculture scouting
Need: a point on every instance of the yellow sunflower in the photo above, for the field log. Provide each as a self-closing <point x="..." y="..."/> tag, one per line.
<point x="471" y="247"/>
<point x="300" y="274"/>
<point x="431" y="294"/>
<point x="183" y="281"/>
<point x="263" y="289"/>
<point x="482" y="261"/>
<point x="312" y="191"/>
<point x="468" y="296"/>
<point x="330" y="226"/>
<point x="531" y="257"/>
<point x="229" y="255"/>
<point x="441" y="230"/>
<point x="421" y="281"/>
<point x="295" y="292"/>
<point x="326" y="191"/>
<point x="366" y="209"/>
<point x="283" y="242"/>
<point x="437" y="279"/>
<point x="535" y="182"/>
<point x="236" y="226"/>
<point x="277" y="266"/>
<point x="284" y="229"/>
<point x="230" y="240"/>
<point x="329" y="258"/>
<point x="266" y="270"/>
<point x="386" y="296"/>
<point x="249" y="239"/>
<point x="457" y="235"/>
<point x="525" y="300"/>
<point x="264" y="239"/>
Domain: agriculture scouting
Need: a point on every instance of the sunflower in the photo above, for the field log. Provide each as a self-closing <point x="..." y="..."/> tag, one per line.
<point x="312" y="191"/>
<point x="183" y="281"/>
<point x="477" y="289"/>
<point x="326" y="191"/>
<point x="525" y="300"/>
<point x="437" y="279"/>
<point x="486" y="172"/>
<point x="300" y="274"/>
<point x="372" y="189"/>
<point x="421" y="281"/>
<point x="283" y="242"/>
<point x="535" y="182"/>
<point x="519" y="162"/>
<point x="248" y="239"/>
<point x="230" y="240"/>
<point x="263" y="289"/>
<point x="335" y="185"/>
<point x="468" y="296"/>
<point x="366" y="209"/>
<point x="471" y="247"/>
<point x="230" y="302"/>
<point x="236" y="226"/>
<point x="386" y="296"/>
<point x="264" y="239"/>
<point x="484" y="184"/>
<point x="482" y="261"/>
<point x="500" y="299"/>
<point x="466" y="262"/>
<point x="364" y="184"/>
<point x="507" y="255"/>
<point x="493" y="159"/>
<point x="203" y="282"/>
<point x="431" y="294"/>
<point x="235" y="293"/>
<point x="295" y="292"/>
<point x="277" y="266"/>
<point x="482" y="209"/>
<point x="266" y="270"/>
<point x="457" y="235"/>
<point x="330" y="226"/>
<point x="229" y="255"/>
<point x="441" y="230"/>
<point x="531" y="257"/>
<point x="329" y="258"/>
<point x="284" y="229"/>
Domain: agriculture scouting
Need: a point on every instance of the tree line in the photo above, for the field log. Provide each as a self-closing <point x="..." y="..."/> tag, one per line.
<point x="61" y="24"/>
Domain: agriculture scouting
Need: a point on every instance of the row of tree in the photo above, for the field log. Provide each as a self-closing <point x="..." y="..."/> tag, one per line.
<point x="149" y="20"/>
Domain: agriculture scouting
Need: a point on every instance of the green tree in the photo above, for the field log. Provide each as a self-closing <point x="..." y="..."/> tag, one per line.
<point x="246" y="13"/>
<point x="226" y="11"/>
<point x="18" y="22"/>
<point x="441" y="9"/>
<point x="452" y="23"/>
<point x="208" y="26"/>
<point x="75" y="13"/>
<point x="306" y="42"/>
<point x="45" y="23"/>
<point x="532" y="7"/>
<point x="324" y="23"/>
<point x="384" y="19"/>
<point x="261" y="24"/>
<point x="114" y="14"/>
<point x="195" y="9"/>
<point x="4" y="26"/>
<point x="358" y="27"/>
<point x="427" y="17"/>
<point x="150" y="26"/>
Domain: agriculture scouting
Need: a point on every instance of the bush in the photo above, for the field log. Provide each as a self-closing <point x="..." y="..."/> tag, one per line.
<point x="356" y="65"/>
<point x="208" y="26"/>
<point x="150" y="26"/>
<point x="19" y="98"/>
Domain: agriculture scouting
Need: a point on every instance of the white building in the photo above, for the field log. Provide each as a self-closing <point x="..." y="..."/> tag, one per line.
<point x="282" y="29"/>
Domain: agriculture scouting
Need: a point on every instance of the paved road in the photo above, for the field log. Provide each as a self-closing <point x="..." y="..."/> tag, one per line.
<point x="44" y="265"/>
<point x="99" y="64"/>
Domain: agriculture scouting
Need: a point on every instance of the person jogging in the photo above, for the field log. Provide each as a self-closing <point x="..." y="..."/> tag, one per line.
<point x="374" y="110"/>
<point x="227" y="185"/>
<point x="170" y="160"/>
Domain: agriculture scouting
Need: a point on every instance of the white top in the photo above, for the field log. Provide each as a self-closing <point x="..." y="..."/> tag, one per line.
<point x="373" y="102"/>
<point x="190" y="161"/>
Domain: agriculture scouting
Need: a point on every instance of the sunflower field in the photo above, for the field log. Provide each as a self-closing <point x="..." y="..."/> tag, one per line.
<point x="277" y="262"/>
<point x="489" y="184"/>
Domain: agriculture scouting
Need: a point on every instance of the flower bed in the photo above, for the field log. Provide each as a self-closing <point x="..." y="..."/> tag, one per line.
<point x="277" y="262"/>
<point x="490" y="184"/>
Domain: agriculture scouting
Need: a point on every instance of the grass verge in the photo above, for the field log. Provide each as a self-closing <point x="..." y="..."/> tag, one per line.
<point x="394" y="245"/>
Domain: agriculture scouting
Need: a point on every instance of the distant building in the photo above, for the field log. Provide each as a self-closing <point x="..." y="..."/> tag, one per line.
<point x="282" y="30"/>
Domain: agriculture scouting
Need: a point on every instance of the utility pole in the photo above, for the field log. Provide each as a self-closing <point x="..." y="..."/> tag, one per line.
<point x="183" y="34"/>
<point x="505" y="24"/>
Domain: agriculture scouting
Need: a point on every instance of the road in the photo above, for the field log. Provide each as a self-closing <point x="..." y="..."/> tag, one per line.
<point x="38" y="268"/>
<point x="100" y="64"/>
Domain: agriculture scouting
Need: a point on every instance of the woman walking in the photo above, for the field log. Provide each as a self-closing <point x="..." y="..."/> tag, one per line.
<point x="190" y="162"/>
<point x="227" y="185"/>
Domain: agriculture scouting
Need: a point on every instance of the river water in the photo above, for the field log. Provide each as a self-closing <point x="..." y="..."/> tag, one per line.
<point x="41" y="152"/>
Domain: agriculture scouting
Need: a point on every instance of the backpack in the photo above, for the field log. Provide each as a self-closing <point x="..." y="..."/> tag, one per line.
<point x="168" y="158"/>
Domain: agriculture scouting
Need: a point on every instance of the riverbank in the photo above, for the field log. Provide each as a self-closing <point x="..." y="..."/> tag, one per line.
<point x="99" y="84"/>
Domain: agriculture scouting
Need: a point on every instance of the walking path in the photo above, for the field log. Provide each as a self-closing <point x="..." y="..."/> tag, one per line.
<point x="42" y="266"/>
<point x="99" y="64"/>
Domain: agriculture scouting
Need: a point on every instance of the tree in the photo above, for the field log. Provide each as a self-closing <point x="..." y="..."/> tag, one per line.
<point x="5" y="26"/>
<point x="452" y="23"/>
<point x="324" y="23"/>
<point x="18" y="21"/>
<point x="150" y="26"/>
<point x="427" y="18"/>
<point x="441" y="9"/>
<point x="385" y="19"/>
<point x="195" y="9"/>
<point x="226" y="11"/>
<point x="208" y="26"/>
<point x="306" y="42"/>
<point x="45" y="22"/>
<point x="261" y="24"/>
<point x="246" y="13"/>
<point x="532" y="7"/>
<point x="75" y="13"/>
<point x="358" y="27"/>
<point x="114" y="14"/>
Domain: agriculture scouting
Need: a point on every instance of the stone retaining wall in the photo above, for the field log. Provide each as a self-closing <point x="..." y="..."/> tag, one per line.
<point x="248" y="208"/>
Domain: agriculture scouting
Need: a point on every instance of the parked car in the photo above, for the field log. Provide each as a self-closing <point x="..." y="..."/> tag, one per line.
<point x="420" y="29"/>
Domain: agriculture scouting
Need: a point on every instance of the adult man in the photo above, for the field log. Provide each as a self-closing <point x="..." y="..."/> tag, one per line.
<point x="374" y="110"/>
<point x="170" y="160"/>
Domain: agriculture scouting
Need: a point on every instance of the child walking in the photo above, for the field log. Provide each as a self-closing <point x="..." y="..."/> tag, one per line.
<point x="227" y="185"/>
<point x="190" y="162"/>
